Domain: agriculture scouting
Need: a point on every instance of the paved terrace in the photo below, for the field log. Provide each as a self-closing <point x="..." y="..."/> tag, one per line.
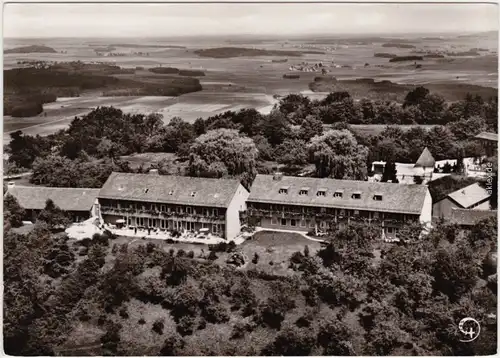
<point x="91" y="226"/>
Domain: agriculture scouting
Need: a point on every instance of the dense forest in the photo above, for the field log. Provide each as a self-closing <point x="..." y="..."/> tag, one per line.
<point x="351" y="296"/>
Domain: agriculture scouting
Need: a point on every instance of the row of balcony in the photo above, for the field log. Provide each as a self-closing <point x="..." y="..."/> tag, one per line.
<point x="160" y="214"/>
<point x="323" y="216"/>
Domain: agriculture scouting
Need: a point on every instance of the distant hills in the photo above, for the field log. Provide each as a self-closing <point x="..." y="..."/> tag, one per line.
<point x="31" y="49"/>
<point x="228" y="52"/>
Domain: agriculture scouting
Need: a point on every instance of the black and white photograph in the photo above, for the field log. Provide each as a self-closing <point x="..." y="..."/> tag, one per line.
<point x="250" y="178"/>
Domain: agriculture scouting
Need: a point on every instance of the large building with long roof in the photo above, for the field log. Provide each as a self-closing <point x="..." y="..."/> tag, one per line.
<point x="79" y="203"/>
<point x="308" y="204"/>
<point x="168" y="202"/>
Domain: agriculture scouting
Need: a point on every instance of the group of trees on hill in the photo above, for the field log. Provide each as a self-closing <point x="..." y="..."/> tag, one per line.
<point x="293" y="135"/>
<point x="27" y="89"/>
<point x="352" y="297"/>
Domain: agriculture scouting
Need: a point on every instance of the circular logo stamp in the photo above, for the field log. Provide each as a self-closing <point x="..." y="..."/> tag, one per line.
<point x="469" y="329"/>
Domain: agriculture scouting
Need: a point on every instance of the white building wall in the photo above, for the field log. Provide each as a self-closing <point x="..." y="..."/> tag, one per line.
<point x="238" y="203"/>
<point x="483" y="206"/>
<point x="426" y="213"/>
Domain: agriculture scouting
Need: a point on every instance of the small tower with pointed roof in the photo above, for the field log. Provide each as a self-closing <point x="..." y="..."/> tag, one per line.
<point x="426" y="160"/>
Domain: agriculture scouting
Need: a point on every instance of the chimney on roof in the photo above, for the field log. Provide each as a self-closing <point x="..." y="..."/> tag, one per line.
<point x="277" y="176"/>
<point x="153" y="171"/>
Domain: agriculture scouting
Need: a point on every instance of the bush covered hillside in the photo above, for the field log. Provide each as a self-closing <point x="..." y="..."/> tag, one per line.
<point x="352" y="296"/>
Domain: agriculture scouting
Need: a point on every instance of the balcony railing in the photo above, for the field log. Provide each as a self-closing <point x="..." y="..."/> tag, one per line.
<point x="159" y="214"/>
<point x="259" y="213"/>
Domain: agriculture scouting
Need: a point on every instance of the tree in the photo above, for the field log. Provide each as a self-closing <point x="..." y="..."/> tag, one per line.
<point x="432" y="108"/>
<point x="390" y="173"/>
<point x="291" y="342"/>
<point x="53" y="216"/>
<point x="293" y="103"/>
<point x="415" y="96"/>
<point x="276" y="128"/>
<point x="336" y="154"/>
<point x="441" y="142"/>
<point x="292" y="153"/>
<point x="13" y="214"/>
<point x="223" y="152"/>
<point x="24" y="149"/>
<point x="177" y="134"/>
<point x="467" y="128"/>
<point x="310" y="127"/>
<point x="334" y="337"/>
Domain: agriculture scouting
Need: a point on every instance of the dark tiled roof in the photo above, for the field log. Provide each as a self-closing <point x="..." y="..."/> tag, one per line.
<point x="396" y="198"/>
<point x="470" y="217"/>
<point x="469" y="195"/>
<point x="426" y="160"/>
<point x="68" y="199"/>
<point x="170" y="189"/>
<point x="487" y="136"/>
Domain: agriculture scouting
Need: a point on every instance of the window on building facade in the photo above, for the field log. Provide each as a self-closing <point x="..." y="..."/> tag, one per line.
<point x="312" y="223"/>
<point x="377" y="197"/>
<point x="342" y="212"/>
<point x="356" y="196"/>
<point x="274" y="221"/>
<point x="337" y="194"/>
<point x="283" y="191"/>
<point x="188" y="210"/>
<point x="215" y="212"/>
<point x="179" y="209"/>
<point x="356" y="212"/>
<point x="293" y="222"/>
<point x="283" y="222"/>
<point x="390" y="230"/>
<point x="302" y="223"/>
<point x="375" y="215"/>
<point x="162" y="208"/>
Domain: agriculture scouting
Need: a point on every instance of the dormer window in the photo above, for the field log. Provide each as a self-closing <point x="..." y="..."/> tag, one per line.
<point x="338" y="194"/>
<point x="283" y="190"/>
<point x="321" y="192"/>
<point x="377" y="197"/>
<point x="356" y="195"/>
<point x="303" y="191"/>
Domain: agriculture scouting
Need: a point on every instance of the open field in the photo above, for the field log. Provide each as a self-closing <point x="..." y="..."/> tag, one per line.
<point x="242" y="82"/>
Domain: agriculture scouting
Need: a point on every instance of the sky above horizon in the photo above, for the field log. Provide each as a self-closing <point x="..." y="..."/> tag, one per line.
<point x="158" y="20"/>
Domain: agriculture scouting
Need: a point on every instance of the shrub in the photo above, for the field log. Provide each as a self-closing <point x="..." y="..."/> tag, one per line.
<point x="215" y="313"/>
<point x="185" y="326"/>
<point x="255" y="259"/>
<point x="172" y="345"/>
<point x="212" y="256"/>
<point x="181" y="253"/>
<point x="150" y="247"/>
<point x="158" y="326"/>
<point x="171" y="252"/>
<point x="123" y="312"/>
<point x="141" y="321"/>
<point x="190" y="254"/>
